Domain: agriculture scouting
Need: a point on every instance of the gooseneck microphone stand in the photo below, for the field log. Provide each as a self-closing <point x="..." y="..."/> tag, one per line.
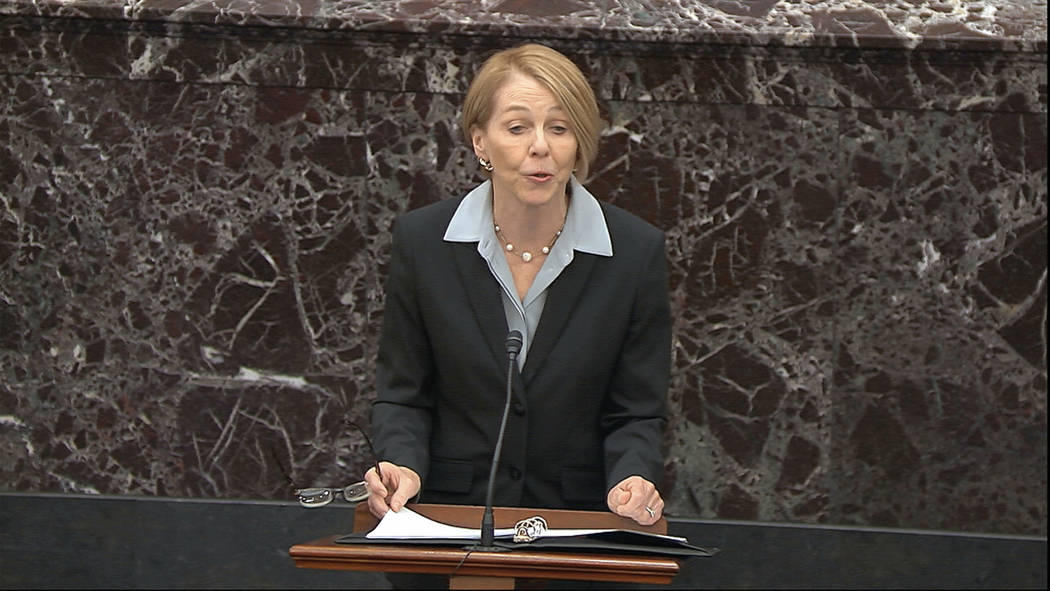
<point x="488" y="528"/>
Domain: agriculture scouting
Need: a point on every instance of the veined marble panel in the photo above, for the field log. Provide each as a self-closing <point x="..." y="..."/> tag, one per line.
<point x="941" y="371"/>
<point x="752" y="248"/>
<point x="694" y="73"/>
<point x="999" y="25"/>
<point x="165" y="257"/>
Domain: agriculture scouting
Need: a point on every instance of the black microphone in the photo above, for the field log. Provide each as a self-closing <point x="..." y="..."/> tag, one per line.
<point x="488" y="528"/>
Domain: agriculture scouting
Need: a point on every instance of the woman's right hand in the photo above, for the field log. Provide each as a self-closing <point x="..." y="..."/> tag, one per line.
<point x="398" y="485"/>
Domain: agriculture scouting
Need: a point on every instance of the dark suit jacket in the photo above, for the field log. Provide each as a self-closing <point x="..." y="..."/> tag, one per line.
<point x="590" y="403"/>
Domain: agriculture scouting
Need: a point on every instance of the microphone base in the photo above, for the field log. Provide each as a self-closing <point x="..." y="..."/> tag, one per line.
<point x="479" y="548"/>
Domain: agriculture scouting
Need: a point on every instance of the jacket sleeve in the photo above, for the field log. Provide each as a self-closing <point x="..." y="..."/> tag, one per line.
<point x="636" y="408"/>
<point x="401" y="413"/>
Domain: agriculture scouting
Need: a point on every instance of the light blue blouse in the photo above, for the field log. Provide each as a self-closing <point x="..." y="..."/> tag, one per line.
<point x="585" y="230"/>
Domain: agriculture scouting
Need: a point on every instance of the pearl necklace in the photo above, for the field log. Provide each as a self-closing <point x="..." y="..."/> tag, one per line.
<point x="525" y="255"/>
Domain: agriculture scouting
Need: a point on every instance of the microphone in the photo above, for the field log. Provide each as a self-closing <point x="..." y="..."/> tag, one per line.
<point x="488" y="529"/>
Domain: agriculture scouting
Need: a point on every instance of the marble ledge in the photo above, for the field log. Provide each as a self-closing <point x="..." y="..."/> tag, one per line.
<point x="993" y="25"/>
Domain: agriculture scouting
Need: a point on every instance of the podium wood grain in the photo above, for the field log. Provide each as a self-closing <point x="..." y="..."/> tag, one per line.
<point x="491" y="569"/>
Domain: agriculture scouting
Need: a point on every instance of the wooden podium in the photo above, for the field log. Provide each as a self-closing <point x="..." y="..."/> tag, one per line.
<point x="491" y="570"/>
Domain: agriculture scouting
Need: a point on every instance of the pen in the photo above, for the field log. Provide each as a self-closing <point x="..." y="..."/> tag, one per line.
<point x="371" y="448"/>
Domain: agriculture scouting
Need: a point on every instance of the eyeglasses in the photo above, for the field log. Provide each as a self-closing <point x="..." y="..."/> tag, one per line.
<point x="321" y="496"/>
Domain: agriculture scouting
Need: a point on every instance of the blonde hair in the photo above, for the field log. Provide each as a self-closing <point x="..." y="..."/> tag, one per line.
<point x="554" y="71"/>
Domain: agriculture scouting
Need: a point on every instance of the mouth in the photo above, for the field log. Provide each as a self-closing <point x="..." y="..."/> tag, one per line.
<point x="540" y="177"/>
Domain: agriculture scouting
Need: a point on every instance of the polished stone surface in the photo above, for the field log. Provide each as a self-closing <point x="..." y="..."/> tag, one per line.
<point x="196" y="198"/>
<point x="993" y="24"/>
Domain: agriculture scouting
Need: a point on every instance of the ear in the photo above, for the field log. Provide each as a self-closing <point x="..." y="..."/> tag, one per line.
<point x="477" y="138"/>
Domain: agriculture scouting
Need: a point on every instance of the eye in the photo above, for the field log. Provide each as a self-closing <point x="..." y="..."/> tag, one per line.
<point x="517" y="129"/>
<point x="559" y="129"/>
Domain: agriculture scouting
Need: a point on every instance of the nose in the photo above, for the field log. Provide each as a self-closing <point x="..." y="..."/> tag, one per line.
<point x="539" y="143"/>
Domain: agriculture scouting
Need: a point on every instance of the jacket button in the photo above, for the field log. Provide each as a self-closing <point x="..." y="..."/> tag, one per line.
<point x="519" y="408"/>
<point x="515" y="474"/>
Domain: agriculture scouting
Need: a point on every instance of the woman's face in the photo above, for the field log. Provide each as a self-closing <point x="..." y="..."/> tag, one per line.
<point x="530" y="142"/>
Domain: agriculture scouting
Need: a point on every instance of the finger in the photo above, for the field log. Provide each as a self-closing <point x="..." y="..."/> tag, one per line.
<point x="637" y="511"/>
<point x="616" y="498"/>
<point x="646" y="519"/>
<point x="397" y="497"/>
<point x="645" y="505"/>
<point x="407" y="487"/>
<point x="629" y="495"/>
<point x="375" y="485"/>
<point x="652" y="511"/>
<point x="640" y="515"/>
<point x="639" y="497"/>
<point x="377" y="506"/>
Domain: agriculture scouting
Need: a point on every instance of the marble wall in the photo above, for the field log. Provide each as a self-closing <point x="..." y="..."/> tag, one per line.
<point x="196" y="199"/>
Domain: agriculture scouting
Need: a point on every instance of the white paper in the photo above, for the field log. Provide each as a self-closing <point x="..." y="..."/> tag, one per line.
<point x="406" y="524"/>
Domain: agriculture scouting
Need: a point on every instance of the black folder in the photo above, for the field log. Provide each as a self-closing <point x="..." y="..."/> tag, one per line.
<point x="617" y="540"/>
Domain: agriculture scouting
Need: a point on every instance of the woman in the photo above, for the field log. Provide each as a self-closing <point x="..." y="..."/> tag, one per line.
<point x="530" y="250"/>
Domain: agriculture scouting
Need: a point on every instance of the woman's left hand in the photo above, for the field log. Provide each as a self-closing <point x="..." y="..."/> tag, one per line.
<point x="637" y="498"/>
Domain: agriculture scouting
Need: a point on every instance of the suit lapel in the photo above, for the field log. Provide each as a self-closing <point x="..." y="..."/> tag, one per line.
<point x="562" y="297"/>
<point x="484" y="293"/>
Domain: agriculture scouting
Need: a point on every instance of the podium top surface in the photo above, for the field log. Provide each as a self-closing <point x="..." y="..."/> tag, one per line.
<point x="325" y="553"/>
